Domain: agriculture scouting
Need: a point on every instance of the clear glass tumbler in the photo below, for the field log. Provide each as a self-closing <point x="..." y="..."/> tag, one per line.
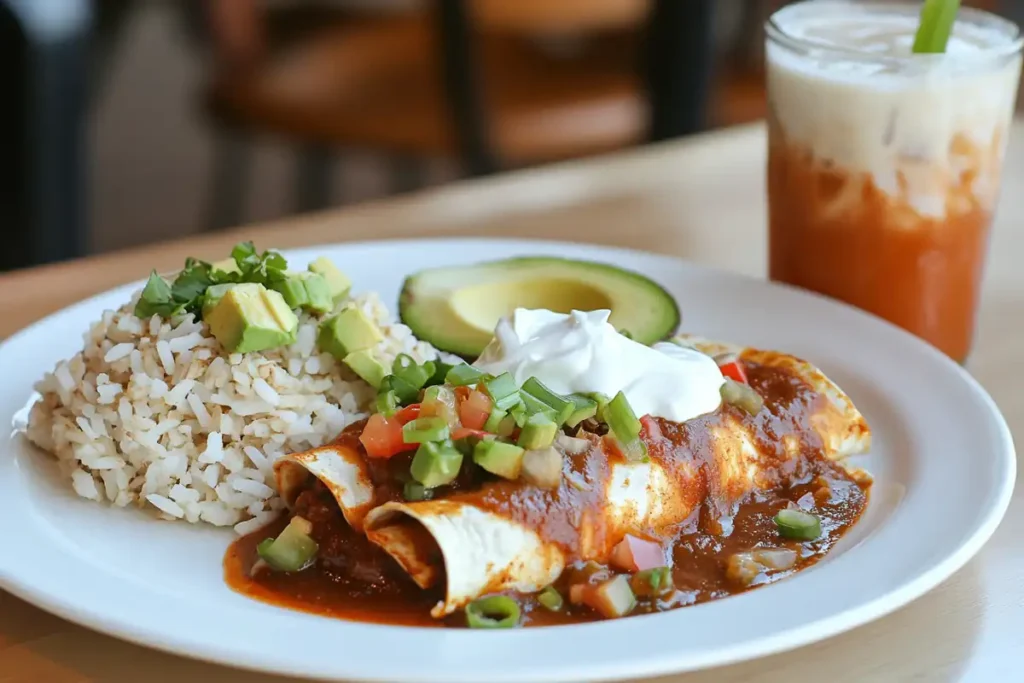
<point x="884" y="165"/>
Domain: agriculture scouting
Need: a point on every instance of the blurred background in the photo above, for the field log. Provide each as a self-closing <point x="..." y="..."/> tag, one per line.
<point x="133" y="121"/>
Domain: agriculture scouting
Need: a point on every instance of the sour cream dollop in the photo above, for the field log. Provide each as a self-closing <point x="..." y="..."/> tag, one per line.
<point x="582" y="353"/>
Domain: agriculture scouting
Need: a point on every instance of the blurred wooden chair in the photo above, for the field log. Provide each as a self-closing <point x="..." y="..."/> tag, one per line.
<point x="491" y="83"/>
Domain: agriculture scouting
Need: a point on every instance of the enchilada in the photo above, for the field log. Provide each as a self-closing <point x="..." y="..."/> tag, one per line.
<point x="694" y="509"/>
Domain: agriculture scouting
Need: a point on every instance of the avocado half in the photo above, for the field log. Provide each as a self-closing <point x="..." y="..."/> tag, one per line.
<point x="457" y="308"/>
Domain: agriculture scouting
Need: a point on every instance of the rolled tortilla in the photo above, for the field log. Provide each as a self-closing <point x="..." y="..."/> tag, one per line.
<point x="512" y="536"/>
<point x="340" y="465"/>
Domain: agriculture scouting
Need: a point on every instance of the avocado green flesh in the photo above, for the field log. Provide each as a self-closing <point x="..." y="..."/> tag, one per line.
<point x="249" y="317"/>
<point x="457" y="308"/>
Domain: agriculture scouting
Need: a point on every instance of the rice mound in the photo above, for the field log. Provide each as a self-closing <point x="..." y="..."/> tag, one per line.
<point x="154" y="413"/>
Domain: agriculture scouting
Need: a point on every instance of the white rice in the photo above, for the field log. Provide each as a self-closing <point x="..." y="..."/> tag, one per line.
<point x="154" y="413"/>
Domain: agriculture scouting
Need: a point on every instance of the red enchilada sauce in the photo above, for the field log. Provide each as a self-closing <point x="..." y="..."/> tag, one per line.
<point x="354" y="579"/>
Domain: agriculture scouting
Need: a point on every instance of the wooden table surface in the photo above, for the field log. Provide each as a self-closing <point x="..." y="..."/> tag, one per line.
<point x="702" y="199"/>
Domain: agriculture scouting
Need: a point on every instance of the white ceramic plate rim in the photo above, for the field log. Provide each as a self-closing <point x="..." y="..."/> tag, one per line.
<point x="902" y="558"/>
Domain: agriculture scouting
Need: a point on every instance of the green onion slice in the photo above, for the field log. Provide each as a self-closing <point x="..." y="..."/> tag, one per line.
<point x="405" y="392"/>
<point x="496" y="611"/>
<point x="463" y="375"/>
<point x="441" y="370"/>
<point x="798" y="525"/>
<point x="652" y="582"/>
<point x="621" y="419"/>
<point x="742" y="396"/>
<point x="425" y="429"/>
<point x="502" y="390"/>
<point x="414" y="491"/>
<point x="936" y="25"/>
<point x="407" y="369"/>
<point x="561" y="406"/>
<point x="551" y="599"/>
<point x="387" y="402"/>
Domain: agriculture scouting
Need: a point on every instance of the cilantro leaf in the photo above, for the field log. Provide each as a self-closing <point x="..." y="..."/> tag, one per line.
<point x="156" y="299"/>
<point x="190" y="285"/>
<point x="242" y="252"/>
<point x="188" y="290"/>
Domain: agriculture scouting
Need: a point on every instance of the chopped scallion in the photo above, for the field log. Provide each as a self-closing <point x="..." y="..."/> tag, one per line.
<point x="463" y="375"/>
<point x="502" y="390"/>
<point x="413" y="491"/>
<point x="551" y="599"/>
<point x="496" y="611"/>
<point x="387" y="403"/>
<point x="798" y="525"/>
<point x="405" y="392"/>
<point x="424" y="429"/>
<point x="621" y="419"/>
<point x="561" y="406"/>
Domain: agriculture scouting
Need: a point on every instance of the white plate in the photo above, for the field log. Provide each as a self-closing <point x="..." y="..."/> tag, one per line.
<point x="943" y="463"/>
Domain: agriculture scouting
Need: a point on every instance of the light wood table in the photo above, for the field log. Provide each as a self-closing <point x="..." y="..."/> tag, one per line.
<point x="702" y="199"/>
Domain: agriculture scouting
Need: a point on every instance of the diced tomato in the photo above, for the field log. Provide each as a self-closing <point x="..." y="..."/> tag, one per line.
<point x="462" y="393"/>
<point x="408" y="413"/>
<point x="382" y="437"/>
<point x="732" y="367"/>
<point x="634" y="554"/>
<point x="651" y="429"/>
<point x="474" y="409"/>
<point x="463" y="432"/>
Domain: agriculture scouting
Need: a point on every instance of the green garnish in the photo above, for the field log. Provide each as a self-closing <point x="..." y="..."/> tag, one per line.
<point x="494" y="420"/>
<point x="798" y="525"/>
<point x="583" y="408"/>
<point x="441" y="371"/>
<point x="292" y="550"/>
<point x="407" y="369"/>
<point x="405" y="392"/>
<point x="551" y="599"/>
<point x="186" y="292"/>
<point x="651" y="583"/>
<point x="463" y="375"/>
<point x="413" y="491"/>
<point x="496" y="611"/>
<point x="742" y="396"/>
<point x="156" y="299"/>
<point x="502" y="390"/>
<point x="561" y="406"/>
<point x="387" y="403"/>
<point x="935" y="27"/>
<point x="436" y="464"/>
<point x="498" y="457"/>
<point x="621" y="419"/>
<point x="425" y="429"/>
<point x="538" y="432"/>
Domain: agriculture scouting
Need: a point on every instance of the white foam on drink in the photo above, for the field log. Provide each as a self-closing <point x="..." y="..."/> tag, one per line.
<point x="854" y="94"/>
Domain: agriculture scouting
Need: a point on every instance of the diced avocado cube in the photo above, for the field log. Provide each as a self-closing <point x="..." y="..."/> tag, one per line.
<point x="227" y="265"/>
<point x="306" y="290"/>
<point x="364" y="364"/>
<point x="250" y="317"/>
<point x="583" y="408"/>
<point x="318" y="293"/>
<point x="436" y="464"/>
<point x="347" y="332"/>
<point x="337" y="282"/>
<point x="538" y="432"/>
<point x="293" y="291"/>
<point x="497" y="457"/>
<point x="213" y="295"/>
